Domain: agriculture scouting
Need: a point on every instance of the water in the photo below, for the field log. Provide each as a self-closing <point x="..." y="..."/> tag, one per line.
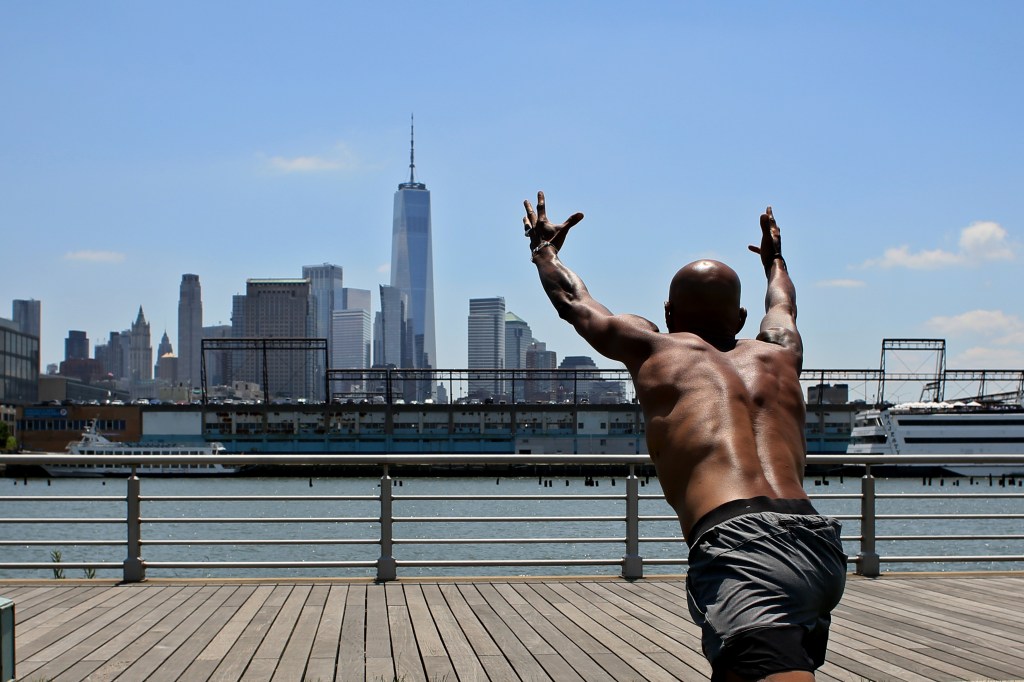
<point x="574" y="533"/>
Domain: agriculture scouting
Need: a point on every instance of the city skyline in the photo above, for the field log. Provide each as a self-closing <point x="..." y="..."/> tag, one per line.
<point x="884" y="136"/>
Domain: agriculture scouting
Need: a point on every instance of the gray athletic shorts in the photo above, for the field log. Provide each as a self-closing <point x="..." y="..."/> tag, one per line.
<point x="763" y="577"/>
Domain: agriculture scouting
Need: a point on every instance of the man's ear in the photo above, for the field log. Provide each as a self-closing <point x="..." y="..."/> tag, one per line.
<point x="668" y="317"/>
<point x="743" y="319"/>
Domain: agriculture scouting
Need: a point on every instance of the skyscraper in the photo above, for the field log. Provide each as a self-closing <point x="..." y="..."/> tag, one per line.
<point x="167" y="365"/>
<point x="140" y="361"/>
<point x="279" y="308"/>
<point x="412" y="270"/>
<point x="541" y="387"/>
<point x="190" y="330"/>
<point x="76" y="346"/>
<point x="391" y="329"/>
<point x="518" y="338"/>
<point x="325" y="291"/>
<point x="486" y="327"/>
<point x="27" y="314"/>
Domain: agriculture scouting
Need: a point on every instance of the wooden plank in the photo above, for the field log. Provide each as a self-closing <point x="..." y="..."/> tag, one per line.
<point x="577" y="659"/>
<point x="109" y="632"/>
<point x="403" y="640"/>
<point x="213" y="653"/>
<point x="675" y="648"/>
<point x="459" y="650"/>
<point x="379" y="659"/>
<point x="43" y="655"/>
<point x="896" y="627"/>
<point x="513" y="644"/>
<point x="176" y="628"/>
<point x="236" y="661"/>
<point x="144" y="653"/>
<point x="617" y="639"/>
<point x="203" y="636"/>
<point x="323" y="655"/>
<point x="484" y="647"/>
<point x="352" y="648"/>
<point x="284" y="623"/>
<point x="69" y="615"/>
<point x="294" y="658"/>
<point x="939" y="636"/>
<point x="661" y="642"/>
<point x="431" y="648"/>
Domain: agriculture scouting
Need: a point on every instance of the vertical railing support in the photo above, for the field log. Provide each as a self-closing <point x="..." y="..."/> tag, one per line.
<point x="386" y="569"/>
<point x="134" y="567"/>
<point x="868" y="564"/>
<point x="632" y="562"/>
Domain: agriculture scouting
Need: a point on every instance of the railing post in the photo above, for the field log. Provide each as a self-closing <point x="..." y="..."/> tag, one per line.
<point x="386" y="569"/>
<point x="632" y="562"/>
<point x="134" y="567"/>
<point x="868" y="564"/>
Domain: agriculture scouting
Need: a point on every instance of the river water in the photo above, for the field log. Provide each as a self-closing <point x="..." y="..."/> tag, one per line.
<point x="572" y="535"/>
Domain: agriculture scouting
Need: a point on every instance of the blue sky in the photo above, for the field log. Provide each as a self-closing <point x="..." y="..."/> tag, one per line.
<point x="141" y="141"/>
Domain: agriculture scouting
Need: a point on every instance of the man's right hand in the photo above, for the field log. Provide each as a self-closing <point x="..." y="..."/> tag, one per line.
<point x="539" y="229"/>
<point x="771" y="241"/>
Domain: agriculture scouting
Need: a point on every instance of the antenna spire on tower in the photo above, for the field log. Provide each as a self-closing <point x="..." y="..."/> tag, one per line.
<point x="412" y="149"/>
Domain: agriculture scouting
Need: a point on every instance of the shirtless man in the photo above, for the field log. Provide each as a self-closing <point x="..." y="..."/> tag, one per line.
<point x="725" y="419"/>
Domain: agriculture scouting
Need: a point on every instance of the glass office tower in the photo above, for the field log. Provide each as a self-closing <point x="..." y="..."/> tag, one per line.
<point x="412" y="269"/>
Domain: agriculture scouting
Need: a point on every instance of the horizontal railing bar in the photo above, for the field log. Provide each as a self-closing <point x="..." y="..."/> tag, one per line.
<point x="503" y="541"/>
<point x="62" y="564"/>
<point x="53" y="519"/>
<point x="949" y="496"/>
<point x="258" y="498"/>
<point x="949" y="537"/>
<point x="399" y="498"/>
<point x="260" y="519"/>
<point x="507" y="519"/>
<point x="55" y="543"/>
<point x="260" y="564"/>
<point x="981" y="558"/>
<point x="311" y="541"/>
<point x="474" y="458"/>
<point x="946" y="517"/>
<point x="507" y="562"/>
<point x="63" y="498"/>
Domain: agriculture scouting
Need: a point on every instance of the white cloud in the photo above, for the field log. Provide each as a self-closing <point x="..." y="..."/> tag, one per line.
<point x="384" y="268"/>
<point x="95" y="256"/>
<point x="340" y="158"/>
<point x="979" y="242"/>
<point x="989" y="358"/>
<point x="1002" y="328"/>
<point x="841" y="283"/>
<point x="985" y="241"/>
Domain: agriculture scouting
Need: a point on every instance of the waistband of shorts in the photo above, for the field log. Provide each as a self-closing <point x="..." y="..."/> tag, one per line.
<point x="751" y="505"/>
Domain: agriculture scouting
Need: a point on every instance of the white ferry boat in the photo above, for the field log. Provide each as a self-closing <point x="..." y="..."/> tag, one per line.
<point x="92" y="443"/>
<point x="955" y="428"/>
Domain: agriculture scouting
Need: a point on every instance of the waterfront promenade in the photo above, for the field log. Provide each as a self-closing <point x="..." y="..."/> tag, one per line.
<point x="949" y="626"/>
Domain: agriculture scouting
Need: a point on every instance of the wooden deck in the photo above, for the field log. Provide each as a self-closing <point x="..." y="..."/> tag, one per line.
<point x="934" y="627"/>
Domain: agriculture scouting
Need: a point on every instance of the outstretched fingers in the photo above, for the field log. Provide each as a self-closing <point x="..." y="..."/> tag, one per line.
<point x="542" y="211"/>
<point x="531" y="216"/>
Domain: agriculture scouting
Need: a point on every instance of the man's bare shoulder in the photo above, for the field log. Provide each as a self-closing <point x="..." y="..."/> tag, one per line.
<point x="765" y="351"/>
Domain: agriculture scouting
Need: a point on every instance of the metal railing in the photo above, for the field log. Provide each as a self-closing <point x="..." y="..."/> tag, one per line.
<point x="626" y="514"/>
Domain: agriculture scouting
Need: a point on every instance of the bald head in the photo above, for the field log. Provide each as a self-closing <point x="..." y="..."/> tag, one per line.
<point x="704" y="299"/>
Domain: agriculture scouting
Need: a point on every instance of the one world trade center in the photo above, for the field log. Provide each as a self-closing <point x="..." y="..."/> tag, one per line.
<point x="412" y="269"/>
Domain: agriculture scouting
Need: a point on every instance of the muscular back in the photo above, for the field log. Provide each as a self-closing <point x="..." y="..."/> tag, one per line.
<point x="721" y="425"/>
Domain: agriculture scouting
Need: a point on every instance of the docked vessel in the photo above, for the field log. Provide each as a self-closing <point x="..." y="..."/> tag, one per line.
<point x="958" y="428"/>
<point x="93" y="443"/>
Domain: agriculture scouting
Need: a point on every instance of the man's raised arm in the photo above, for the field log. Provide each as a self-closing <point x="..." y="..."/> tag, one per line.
<point x="779" y="323"/>
<point x="614" y="336"/>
